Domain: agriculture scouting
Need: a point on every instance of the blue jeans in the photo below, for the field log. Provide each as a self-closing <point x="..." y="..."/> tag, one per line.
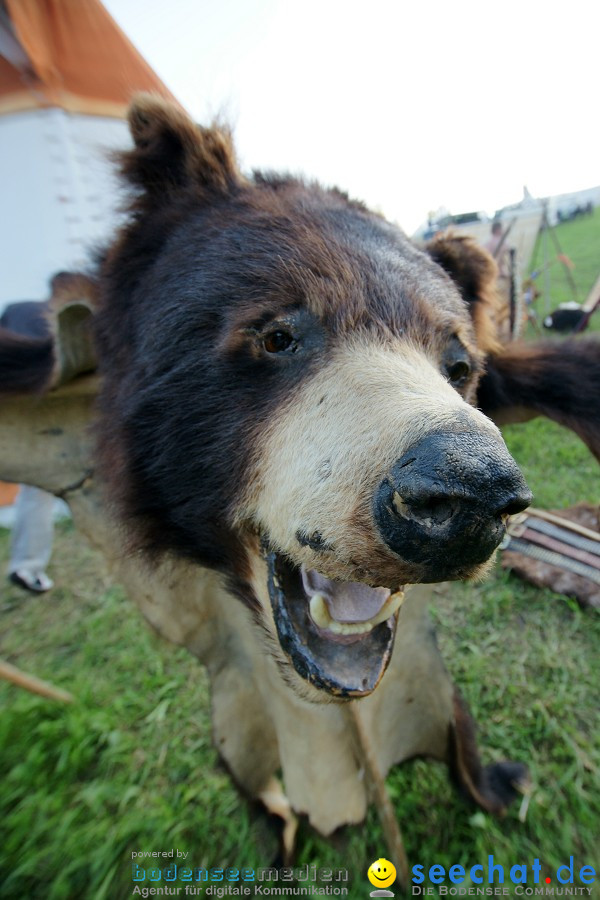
<point x="31" y="543"/>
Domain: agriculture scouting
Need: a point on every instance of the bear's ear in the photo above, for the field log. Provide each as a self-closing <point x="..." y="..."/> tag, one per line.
<point x="475" y="273"/>
<point x="171" y="152"/>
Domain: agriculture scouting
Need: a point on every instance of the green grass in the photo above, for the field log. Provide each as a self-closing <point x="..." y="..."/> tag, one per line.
<point x="557" y="466"/>
<point x="580" y="241"/>
<point x="130" y="765"/>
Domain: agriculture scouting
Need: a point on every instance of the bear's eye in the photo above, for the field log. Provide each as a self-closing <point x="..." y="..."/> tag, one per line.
<point x="458" y="371"/>
<point x="278" y="341"/>
<point x="456" y="363"/>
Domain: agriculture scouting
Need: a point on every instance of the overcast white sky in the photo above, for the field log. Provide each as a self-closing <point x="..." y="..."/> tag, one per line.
<point x="406" y="105"/>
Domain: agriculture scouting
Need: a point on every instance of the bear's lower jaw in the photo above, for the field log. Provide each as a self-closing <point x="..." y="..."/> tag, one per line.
<point x="344" y="659"/>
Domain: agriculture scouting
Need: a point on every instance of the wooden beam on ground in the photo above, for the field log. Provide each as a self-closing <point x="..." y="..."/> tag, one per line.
<point x="31" y="683"/>
<point x="378" y="793"/>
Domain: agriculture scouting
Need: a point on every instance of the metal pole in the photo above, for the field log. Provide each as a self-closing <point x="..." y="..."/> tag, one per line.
<point x="512" y="297"/>
<point x="546" y="260"/>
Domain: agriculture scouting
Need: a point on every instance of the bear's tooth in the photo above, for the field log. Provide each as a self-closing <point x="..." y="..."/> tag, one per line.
<point x="319" y="611"/>
<point x="349" y="627"/>
<point x="322" y="618"/>
<point x="391" y="605"/>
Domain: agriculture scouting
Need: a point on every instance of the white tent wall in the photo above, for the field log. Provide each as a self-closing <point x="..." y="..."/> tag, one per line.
<point x="59" y="195"/>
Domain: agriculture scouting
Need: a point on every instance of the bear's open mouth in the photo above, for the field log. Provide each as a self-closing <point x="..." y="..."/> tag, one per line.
<point x="338" y="635"/>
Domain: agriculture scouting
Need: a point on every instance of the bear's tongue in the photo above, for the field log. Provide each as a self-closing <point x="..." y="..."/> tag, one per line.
<point x="347" y="601"/>
<point x="347" y="608"/>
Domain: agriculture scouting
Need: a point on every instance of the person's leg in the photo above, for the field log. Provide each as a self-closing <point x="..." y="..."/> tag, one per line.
<point x="31" y="543"/>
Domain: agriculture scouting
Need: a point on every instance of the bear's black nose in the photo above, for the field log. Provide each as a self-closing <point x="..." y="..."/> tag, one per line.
<point x="444" y="503"/>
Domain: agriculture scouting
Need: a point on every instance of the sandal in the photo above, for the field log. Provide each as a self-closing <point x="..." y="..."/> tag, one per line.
<point x="37" y="582"/>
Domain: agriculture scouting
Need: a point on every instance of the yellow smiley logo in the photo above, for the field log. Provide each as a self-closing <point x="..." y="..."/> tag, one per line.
<point x="381" y="873"/>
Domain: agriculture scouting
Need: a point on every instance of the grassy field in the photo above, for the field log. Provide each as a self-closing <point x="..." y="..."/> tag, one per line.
<point x="579" y="240"/>
<point x="130" y="765"/>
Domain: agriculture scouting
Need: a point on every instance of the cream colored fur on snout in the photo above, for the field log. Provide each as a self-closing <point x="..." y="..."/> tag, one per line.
<point x="327" y="450"/>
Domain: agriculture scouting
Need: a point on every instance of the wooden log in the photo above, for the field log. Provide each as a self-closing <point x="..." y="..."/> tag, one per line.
<point x="31" y="683"/>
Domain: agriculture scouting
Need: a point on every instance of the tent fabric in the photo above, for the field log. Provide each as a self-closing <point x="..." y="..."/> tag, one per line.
<point x="77" y="58"/>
